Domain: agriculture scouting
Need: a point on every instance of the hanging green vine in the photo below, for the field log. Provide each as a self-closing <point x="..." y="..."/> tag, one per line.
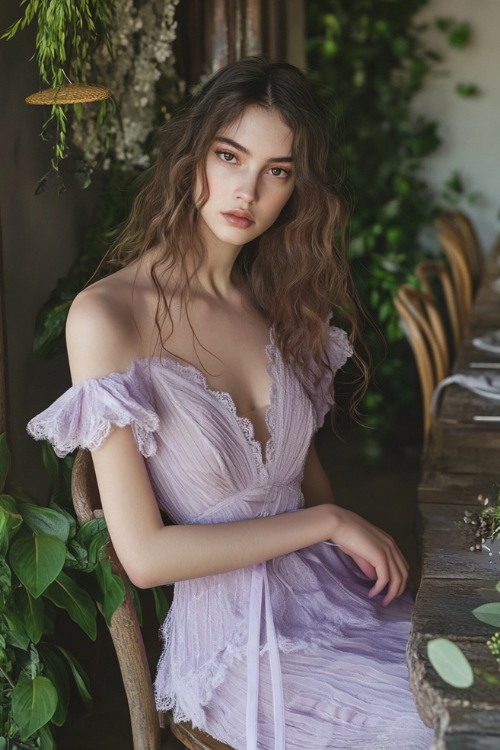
<point x="67" y="34"/>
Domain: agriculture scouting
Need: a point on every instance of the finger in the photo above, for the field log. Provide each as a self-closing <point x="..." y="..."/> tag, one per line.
<point x="365" y="566"/>
<point x="393" y="591"/>
<point x="383" y="578"/>
<point x="403" y="568"/>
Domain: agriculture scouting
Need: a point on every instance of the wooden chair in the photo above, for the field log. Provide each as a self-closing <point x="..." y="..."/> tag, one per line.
<point x="453" y="244"/>
<point x="472" y="246"/>
<point x="425" y="332"/>
<point x="429" y="270"/>
<point x="127" y="638"/>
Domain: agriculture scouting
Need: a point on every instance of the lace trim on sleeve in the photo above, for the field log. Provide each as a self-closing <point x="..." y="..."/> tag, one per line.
<point x="84" y="416"/>
<point x="338" y="351"/>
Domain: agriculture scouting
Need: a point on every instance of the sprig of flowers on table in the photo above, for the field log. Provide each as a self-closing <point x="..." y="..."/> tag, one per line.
<point x="446" y="657"/>
<point x="483" y="525"/>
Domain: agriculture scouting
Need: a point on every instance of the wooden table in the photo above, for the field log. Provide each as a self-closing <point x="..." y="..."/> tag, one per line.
<point x="463" y="460"/>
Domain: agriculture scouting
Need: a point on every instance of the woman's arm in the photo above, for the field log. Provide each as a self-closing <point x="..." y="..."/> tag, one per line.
<point x="153" y="554"/>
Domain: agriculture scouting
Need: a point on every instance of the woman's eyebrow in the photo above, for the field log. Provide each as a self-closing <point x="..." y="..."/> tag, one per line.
<point x="234" y="144"/>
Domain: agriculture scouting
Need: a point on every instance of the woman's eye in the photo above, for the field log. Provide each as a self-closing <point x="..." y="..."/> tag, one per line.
<point x="279" y="172"/>
<point x="225" y="156"/>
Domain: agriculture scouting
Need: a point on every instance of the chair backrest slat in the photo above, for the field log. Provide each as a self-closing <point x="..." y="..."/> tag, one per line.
<point x="453" y="245"/>
<point x="472" y="245"/>
<point x="425" y="332"/>
<point x="425" y="271"/>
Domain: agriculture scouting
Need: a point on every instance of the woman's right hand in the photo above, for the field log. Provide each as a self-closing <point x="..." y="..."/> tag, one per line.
<point x="374" y="551"/>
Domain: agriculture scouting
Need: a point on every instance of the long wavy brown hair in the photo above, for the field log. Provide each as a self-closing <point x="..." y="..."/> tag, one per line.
<point x="296" y="272"/>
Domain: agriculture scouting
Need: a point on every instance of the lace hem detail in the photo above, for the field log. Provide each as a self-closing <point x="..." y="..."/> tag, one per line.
<point x="51" y="431"/>
<point x="195" y="689"/>
<point x="85" y="415"/>
<point x="338" y="351"/>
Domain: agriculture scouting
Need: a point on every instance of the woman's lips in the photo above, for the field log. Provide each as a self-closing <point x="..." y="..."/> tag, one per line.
<point x="240" y="220"/>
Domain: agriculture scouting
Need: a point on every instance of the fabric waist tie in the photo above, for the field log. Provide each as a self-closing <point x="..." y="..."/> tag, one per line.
<point x="259" y="589"/>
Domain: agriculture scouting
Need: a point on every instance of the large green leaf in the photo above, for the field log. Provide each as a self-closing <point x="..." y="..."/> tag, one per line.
<point x="70" y="518"/>
<point x="49" y="330"/>
<point x="19" y="492"/>
<point x="10" y="521"/>
<point x="112" y="589"/>
<point x="67" y="594"/>
<point x="77" y="557"/>
<point x="450" y="663"/>
<point x="4" y="460"/>
<point x="56" y="671"/>
<point x="31" y="611"/>
<point x="5" y="574"/>
<point x="46" y="735"/>
<point x="489" y="613"/>
<point x="161" y="603"/>
<point x="94" y="536"/>
<point x="37" y="561"/>
<point x="33" y="704"/>
<point x="45" y="520"/>
<point x="81" y="679"/>
<point x="51" y="463"/>
<point x="16" y="635"/>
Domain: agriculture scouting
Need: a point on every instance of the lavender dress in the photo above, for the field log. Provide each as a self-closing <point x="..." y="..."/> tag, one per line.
<point x="285" y="655"/>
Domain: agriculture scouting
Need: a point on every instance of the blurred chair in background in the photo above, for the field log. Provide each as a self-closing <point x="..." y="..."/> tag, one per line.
<point x="424" y="329"/>
<point x="433" y="274"/>
<point x="454" y="247"/>
<point x="472" y="246"/>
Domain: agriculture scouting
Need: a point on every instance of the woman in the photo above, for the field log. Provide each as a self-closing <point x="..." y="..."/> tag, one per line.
<point x="209" y="349"/>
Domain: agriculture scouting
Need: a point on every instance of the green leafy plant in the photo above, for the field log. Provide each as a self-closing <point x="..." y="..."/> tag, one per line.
<point x="467" y="90"/>
<point x="48" y="568"/>
<point x="369" y="61"/>
<point x="455" y="192"/>
<point x="458" y="33"/>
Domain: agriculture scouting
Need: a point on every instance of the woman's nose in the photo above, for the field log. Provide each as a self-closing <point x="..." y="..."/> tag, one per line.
<point x="247" y="189"/>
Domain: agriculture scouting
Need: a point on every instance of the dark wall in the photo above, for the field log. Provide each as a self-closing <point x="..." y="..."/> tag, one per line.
<point x="40" y="237"/>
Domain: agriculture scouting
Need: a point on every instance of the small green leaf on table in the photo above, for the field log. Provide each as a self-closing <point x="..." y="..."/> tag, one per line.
<point x="450" y="663"/>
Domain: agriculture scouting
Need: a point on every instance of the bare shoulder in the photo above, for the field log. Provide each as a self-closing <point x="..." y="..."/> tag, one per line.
<point x="100" y="332"/>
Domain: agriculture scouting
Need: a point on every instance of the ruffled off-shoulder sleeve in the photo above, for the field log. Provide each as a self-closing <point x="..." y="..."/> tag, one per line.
<point x="84" y="416"/>
<point x="338" y="350"/>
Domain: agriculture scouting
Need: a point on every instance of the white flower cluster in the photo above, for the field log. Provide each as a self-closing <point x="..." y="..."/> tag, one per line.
<point x="142" y="35"/>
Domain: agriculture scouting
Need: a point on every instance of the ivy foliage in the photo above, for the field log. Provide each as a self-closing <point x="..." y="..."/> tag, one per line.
<point x="369" y="61"/>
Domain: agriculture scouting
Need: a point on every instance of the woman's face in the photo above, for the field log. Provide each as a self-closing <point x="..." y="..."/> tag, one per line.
<point x="250" y="177"/>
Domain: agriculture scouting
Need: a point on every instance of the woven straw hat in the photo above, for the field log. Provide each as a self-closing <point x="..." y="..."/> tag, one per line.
<point x="72" y="93"/>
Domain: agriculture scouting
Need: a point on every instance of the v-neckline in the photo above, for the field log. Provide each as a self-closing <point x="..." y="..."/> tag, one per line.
<point x="263" y="452"/>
